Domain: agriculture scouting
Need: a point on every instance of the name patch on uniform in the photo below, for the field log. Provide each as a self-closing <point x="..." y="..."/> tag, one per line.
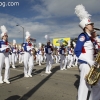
<point x="82" y="38"/>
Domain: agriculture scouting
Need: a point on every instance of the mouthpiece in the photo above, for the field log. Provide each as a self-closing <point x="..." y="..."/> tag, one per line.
<point x="97" y="29"/>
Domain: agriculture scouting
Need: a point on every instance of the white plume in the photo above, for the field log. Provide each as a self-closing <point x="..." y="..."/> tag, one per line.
<point x="14" y="41"/>
<point x="74" y="44"/>
<point x="27" y="33"/>
<point x="69" y="43"/>
<point x="46" y="36"/>
<point x="40" y="44"/>
<point x="3" y="29"/>
<point x="81" y="12"/>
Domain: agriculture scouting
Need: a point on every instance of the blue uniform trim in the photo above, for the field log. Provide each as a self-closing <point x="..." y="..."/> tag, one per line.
<point x="46" y="49"/>
<point x="13" y="50"/>
<point x="69" y="49"/>
<point x="2" y="43"/>
<point x="38" y="51"/>
<point x="60" y="50"/>
<point x="80" y="44"/>
<point x="81" y="61"/>
<point x="25" y="47"/>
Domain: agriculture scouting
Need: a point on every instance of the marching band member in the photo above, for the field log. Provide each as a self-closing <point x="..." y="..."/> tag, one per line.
<point x="52" y="54"/>
<point x="14" y="51"/>
<point x="66" y="60"/>
<point x="69" y="56"/>
<point x="28" y="57"/>
<point x="36" y="55"/>
<point x="70" y="53"/>
<point x="56" y="55"/>
<point x="84" y="50"/>
<point x="22" y="55"/>
<point x="48" y="50"/>
<point x="95" y="90"/>
<point x="40" y="58"/>
<point x="20" y="52"/>
<point x="16" y="57"/>
<point x="74" y="56"/>
<point x="4" y="55"/>
<point x="44" y="54"/>
<point x="62" y="56"/>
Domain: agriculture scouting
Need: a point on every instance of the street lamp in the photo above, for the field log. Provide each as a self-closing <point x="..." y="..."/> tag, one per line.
<point x="23" y="31"/>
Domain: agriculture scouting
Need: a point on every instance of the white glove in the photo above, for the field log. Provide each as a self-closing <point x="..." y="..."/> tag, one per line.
<point x="4" y="48"/>
<point x="7" y="47"/>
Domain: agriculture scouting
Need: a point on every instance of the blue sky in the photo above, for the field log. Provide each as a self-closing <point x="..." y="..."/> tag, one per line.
<point x="55" y="18"/>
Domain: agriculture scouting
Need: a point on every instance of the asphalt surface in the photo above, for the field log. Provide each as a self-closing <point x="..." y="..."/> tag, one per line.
<point x="59" y="85"/>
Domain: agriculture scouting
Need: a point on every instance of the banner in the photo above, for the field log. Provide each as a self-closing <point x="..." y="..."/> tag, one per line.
<point x="56" y="41"/>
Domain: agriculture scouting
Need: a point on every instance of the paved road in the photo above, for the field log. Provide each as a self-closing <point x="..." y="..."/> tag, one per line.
<point x="59" y="85"/>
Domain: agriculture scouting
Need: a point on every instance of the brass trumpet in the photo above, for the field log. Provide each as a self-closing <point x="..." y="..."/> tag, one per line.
<point x="97" y="29"/>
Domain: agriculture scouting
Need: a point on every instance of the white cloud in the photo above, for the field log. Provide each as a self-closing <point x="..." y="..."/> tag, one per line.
<point x="38" y="30"/>
<point x="65" y="7"/>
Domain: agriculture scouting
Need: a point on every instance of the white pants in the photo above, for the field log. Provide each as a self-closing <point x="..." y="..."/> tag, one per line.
<point x="4" y="58"/>
<point x="52" y="58"/>
<point x="10" y="58"/>
<point x="44" y="57"/>
<point x="28" y="63"/>
<point x="49" y="62"/>
<point x="56" y="57"/>
<point x="40" y="58"/>
<point x="37" y="58"/>
<point x="20" y="58"/>
<point x="62" y="57"/>
<point x="66" y="62"/>
<point x="83" y="87"/>
<point x="70" y="59"/>
<point x="14" y="59"/>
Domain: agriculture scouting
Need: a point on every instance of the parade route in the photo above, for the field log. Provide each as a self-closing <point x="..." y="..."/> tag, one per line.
<point x="59" y="85"/>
